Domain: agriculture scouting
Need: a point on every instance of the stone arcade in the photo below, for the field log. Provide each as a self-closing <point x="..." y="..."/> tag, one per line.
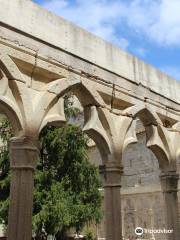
<point x="42" y="57"/>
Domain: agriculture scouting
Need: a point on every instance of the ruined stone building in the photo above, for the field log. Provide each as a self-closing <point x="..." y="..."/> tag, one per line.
<point x="43" y="57"/>
<point x="142" y="199"/>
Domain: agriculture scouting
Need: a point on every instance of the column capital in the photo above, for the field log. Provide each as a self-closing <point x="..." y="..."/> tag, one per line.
<point x="169" y="181"/>
<point x="23" y="156"/>
<point x="111" y="167"/>
<point x="112" y="175"/>
<point x="23" y="153"/>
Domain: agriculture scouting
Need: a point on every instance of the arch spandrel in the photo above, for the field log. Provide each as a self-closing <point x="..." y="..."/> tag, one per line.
<point x="111" y="133"/>
<point x="8" y="105"/>
<point x="130" y="135"/>
<point x="36" y="108"/>
<point x="95" y="130"/>
<point x="37" y="104"/>
<point x="17" y="94"/>
<point x="145" y="113"/>
<point x="51" y="107"/>
<point x="11" y="112"/>
<point x="163" y="141"/>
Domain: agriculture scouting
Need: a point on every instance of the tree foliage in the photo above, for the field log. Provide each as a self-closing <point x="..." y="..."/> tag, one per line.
<point x="5" y="135"/>
<point x="66" y="192"/>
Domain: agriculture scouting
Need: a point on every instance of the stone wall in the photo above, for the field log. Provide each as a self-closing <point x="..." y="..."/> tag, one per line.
<point x="67" y="36"/>
<point x="142" y="199"/>
<point x="43" y="61"/>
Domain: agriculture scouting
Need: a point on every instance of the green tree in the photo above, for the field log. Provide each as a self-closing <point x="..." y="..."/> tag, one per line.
<point x="66" y="191"/>
<point x="5" y="135"/>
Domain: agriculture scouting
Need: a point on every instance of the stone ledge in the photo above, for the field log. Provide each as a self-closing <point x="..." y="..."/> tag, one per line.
<point x="84" y="45"/>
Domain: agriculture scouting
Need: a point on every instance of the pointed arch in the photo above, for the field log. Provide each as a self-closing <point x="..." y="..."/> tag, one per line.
<point x="16" y="83"/>
<point x="8" y="106"/>
<point x="56" y="90"/>
<point x="9" y="109"/>
<point x="156" y="138"/>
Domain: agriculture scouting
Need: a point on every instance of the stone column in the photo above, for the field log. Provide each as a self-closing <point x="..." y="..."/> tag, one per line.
<point x="112" y="198"/>
<point x="23" y="157"/>
<point x="169" y="184"/>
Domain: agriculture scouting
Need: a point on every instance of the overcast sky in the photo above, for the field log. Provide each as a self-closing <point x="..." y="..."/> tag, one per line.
<point x="149" y="29"/>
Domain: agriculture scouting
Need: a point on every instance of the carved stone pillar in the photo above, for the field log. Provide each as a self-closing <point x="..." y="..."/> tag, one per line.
<point x="169" y="184"/>
<point x="112" y="185"/>
<point x="112" y="134"/>
<point x="23" y="157"/>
